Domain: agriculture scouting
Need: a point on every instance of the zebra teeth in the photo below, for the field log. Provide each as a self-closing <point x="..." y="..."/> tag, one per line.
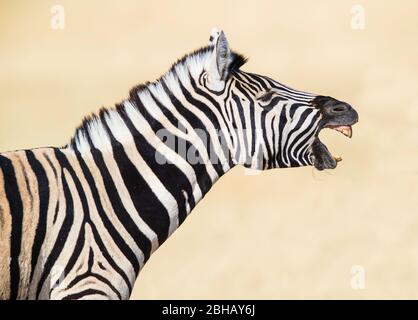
<point x="338" y="158"/>
<point x="345" y="130"/>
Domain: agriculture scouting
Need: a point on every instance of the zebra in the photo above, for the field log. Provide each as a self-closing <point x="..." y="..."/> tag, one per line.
<point x="80" y="221"/>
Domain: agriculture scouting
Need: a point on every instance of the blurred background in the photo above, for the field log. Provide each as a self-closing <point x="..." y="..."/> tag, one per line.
<point x="296" y="233"/>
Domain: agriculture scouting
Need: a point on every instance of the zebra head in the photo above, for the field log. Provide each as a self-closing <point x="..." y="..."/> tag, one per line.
<point x="271" y="125"/>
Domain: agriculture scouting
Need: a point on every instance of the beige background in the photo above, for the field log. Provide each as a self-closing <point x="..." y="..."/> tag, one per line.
<point x="292" y="233"/>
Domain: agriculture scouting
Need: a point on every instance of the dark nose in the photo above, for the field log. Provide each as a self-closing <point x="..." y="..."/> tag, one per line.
<point x="333" y="108"/>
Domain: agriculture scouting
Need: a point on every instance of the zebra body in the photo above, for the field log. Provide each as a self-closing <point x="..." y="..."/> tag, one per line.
<point x="79" y="222"/>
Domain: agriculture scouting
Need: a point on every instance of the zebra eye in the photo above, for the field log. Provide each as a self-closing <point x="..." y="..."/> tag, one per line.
<point x="265" y="96"/>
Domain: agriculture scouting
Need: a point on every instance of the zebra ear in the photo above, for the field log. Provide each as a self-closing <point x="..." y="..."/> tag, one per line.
<point x="221" y="56"/>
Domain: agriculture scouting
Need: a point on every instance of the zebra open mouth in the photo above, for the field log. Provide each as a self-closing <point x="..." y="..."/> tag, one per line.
<point x="322" y="158"/>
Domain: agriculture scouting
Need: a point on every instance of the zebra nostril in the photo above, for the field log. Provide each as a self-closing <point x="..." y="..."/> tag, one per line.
<point x="340" y="108"/>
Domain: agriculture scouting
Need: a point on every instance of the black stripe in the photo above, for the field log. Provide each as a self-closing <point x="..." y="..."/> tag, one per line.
<point x="252" y="117"/>
<point x="99" y="277"/>
<point x="16" y="211"/>
<point x="244" y="126"/>
<point x="265" y="139"/>
<point x="274" y="102"/>
<point x="57" y="207"/>
<point x="235" y="129"/>
<point x="43" y="190"/>
<point x="51" y="164"/>
<point x="84" y="293"/>
<point x="91" y="259"/>
<point x="282" y="122"/>
<point x="292" y="93"/>
<point x="273" y="139"/>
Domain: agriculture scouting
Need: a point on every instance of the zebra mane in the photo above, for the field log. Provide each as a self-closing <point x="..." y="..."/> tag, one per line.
<point x="190" y="65"/>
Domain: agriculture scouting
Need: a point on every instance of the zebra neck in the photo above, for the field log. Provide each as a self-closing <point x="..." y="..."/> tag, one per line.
<point x="177" y="160"/>
<point x="151" y="183"/>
